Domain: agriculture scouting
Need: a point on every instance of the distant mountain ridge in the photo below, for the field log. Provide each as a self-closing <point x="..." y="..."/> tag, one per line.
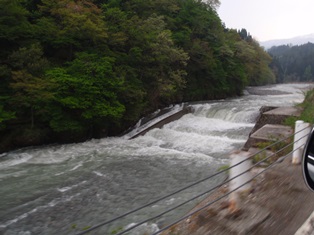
<point x="294" y="41"/>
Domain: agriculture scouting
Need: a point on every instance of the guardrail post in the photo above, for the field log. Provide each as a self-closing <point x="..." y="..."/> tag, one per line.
<point x="235" y="158"/>
<point x="302" y="129"/>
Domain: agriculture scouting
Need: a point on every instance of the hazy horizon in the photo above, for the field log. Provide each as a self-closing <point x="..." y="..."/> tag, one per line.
<point x="267" y="19"/>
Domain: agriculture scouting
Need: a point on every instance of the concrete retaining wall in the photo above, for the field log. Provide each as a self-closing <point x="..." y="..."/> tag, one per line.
<point x="272" y="116"/>
<point x="164" y="121"/>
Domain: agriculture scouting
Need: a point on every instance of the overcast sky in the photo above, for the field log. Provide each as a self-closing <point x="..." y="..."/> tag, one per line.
<point x="269" y="19"/>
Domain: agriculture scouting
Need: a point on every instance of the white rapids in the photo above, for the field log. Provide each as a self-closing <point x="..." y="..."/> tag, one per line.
<point x="65" y="189"/>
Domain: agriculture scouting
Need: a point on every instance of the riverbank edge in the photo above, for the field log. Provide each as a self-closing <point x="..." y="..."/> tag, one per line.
<point x="266" y="117"/>
<point x="11" y="141"/>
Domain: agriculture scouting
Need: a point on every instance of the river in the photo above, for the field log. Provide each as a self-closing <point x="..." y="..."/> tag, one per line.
<point x="64" y="189"/>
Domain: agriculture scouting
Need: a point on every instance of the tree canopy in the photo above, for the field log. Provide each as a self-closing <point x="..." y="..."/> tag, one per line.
<point x="293" y="63"/>
<point x="77" y="69"/>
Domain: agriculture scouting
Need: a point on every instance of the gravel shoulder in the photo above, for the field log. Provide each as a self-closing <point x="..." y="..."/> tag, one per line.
<point x="279" y="204"/>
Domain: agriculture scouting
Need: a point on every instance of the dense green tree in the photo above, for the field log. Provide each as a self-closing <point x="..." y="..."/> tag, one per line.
<point x="15" y="31"/>
<point x="245" y="35"/>
<point x="293" y="63"/>
<point x="199" y="31"/>
<point x="67" y="26"/>
<point x="86" y="93"/>
<point x="308" y="76"/>
<point x="146" y="46"/>
<point x="261" y="72"/>
<point x="160" y="63"/>
<point x="5" y="116"/>
<point x="15" y="26"/>
<point x="237" y="54"/>
<point x="29" y="88"/>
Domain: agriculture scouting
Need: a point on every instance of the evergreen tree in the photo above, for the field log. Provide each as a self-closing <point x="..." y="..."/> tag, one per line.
<point x="293" y="63"/>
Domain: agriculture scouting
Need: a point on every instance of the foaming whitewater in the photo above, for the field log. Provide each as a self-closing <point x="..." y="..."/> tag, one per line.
<point x="154" y="118"/>
<point x="65" y="189"/>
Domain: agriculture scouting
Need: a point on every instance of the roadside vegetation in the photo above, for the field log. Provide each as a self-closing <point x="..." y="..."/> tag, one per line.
<point x="272" y="151"/>
<point x="307" y="114"/>
<point x="308" y="107"/>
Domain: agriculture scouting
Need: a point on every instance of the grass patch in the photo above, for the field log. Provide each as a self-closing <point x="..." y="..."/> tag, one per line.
<point x="116" y="230"/>
<point x="278" y="150"/>
<point x="307" y="114"/>
<point x="222" y="168"/>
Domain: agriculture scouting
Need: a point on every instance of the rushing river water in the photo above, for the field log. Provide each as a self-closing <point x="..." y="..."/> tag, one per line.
<point x="66" y="188"/>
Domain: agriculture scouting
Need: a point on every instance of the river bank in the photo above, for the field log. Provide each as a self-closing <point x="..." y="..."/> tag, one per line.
<point x="278" y="203"/>
<point x="27" y="137"/>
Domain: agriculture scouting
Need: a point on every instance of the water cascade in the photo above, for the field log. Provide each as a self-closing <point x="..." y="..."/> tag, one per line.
<point x="64" y="189"/>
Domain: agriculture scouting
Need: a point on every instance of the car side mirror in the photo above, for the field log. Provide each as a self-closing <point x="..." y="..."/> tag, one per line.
<point x="308" y="161"/>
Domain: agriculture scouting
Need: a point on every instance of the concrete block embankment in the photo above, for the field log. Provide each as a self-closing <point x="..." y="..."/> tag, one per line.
<point x="173" y="117"/>
<point x="269" y="125"/>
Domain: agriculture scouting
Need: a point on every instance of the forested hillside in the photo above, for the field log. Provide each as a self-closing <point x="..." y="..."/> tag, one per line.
<point x="293" y="63"/>
<point x="77" y="69"/>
